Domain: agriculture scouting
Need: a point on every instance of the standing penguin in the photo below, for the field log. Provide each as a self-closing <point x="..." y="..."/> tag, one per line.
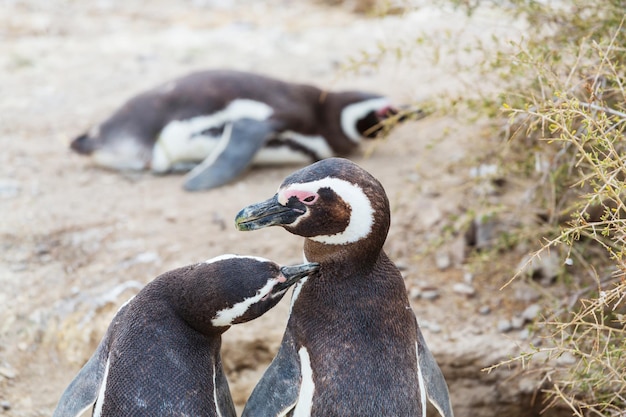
<point x="352" y="346"/>
<point x="161" y="354"/>
<point x="221" y="122"/>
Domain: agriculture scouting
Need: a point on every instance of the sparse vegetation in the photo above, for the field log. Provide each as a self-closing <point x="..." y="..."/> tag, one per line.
<point x="565" y="99"/>
<point x="558" y="108"/>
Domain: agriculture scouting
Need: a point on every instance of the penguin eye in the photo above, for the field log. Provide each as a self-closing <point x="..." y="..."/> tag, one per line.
<point x="310" y="199"/>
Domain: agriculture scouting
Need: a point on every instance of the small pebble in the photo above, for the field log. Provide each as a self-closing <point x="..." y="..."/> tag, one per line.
<point x="468" y="277"/>
<point x="504" y="326"/>
<point x="484" y="310"/>
<point x="5" y="405"/>
<point x="429" y="293"/>
<point x="531" y="312"/>
<point x="463" y="288"/>
<point x="433" y="327"/>
<point x="7" y="372"/>
<point x="524" y="334"/>
<point x="517" y="322"/>
<point x="442" y="260"/>
<point x="415" y="293"/>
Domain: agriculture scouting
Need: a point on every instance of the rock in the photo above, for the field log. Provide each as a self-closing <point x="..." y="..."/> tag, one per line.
<point x="415" y="293"/>
<point x="524" y="334"/>
<point x="442" y="260"/>
<point x="484" y="171"/>
<point x="429" y="293"/>
<point x="477" y="393"/>
<point x="517" y="322"/>
<point x="464" y="289"/>
<point x="531" y="312"/>
<point x="5" y="405"/>
<point x="484" y="310"/>
<point x="525" y="292"/>
<point x="7" y="372"/>
<point x="544" y="267"/>
<point x="482" y="231"/>
<point x="430" y="325"/>
<point x="504" y="326"/>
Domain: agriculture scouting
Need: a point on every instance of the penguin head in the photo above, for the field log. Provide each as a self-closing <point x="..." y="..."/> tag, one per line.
<point x="363" y="115"/>
<point x="333" y="203"/>
<point x="234" y="289"/>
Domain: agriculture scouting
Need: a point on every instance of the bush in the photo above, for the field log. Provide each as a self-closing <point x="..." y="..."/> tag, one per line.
<point x="565" y="99"/>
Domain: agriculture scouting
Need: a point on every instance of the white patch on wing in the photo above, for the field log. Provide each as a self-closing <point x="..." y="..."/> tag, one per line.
<point x="97" y="410"/>
<point x="277" y="155"/>
<point x="354" y="112"/>
<point x="181" y="140"/>
<point x="226" y="316"/>
<point x="422" y="386"/>
<point x="307" y="386"/>
<point x="361" y="218"/>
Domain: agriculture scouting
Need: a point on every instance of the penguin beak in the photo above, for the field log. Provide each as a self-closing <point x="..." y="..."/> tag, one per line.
<point x="294" y="274"/>
<point x="267" y="213"/>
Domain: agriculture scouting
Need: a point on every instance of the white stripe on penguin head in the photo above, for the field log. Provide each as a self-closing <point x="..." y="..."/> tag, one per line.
<point x="226" y="316"/>
<point x="354" y="112"/>
<point x="361" y="216"/>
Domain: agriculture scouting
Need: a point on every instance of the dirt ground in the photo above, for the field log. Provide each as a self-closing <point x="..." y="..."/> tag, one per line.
<point x="77" y="241"/>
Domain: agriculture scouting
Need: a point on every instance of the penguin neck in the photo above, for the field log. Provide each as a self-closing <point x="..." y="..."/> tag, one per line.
<point x="330" y="106"/>
<point x="342" y="256"/>
<point x="191" y="304"/>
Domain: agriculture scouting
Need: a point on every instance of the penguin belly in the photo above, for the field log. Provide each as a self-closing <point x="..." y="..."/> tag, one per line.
<point x="125" y="154"/>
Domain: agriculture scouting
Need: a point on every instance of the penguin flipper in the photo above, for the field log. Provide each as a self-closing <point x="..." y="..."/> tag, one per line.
<point x="277" y="392"/>
<point x="83" y="391"/>
<point x="436" y="387"/>
<point x="238" y="145"/>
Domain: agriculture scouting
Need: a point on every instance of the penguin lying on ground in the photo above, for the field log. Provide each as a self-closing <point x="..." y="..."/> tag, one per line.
<point x="161" y="353"/>
<point x="352" y="346"/>
<point x="221" y="122"/>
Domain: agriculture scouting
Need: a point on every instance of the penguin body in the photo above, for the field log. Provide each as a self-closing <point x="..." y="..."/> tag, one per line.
<point x="161" y="353"/>
<point x="352" y="344"/>
<point x="218" y="123"/>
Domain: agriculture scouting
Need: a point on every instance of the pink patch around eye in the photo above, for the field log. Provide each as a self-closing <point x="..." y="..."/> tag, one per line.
<point x="385" y="111"/>
<point x="305" y="197"/>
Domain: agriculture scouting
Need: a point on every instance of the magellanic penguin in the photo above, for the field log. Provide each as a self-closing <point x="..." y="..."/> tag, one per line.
<point x="220" y="122"/>
<point x="352" y="346"/>
<point x="161" y="353"/>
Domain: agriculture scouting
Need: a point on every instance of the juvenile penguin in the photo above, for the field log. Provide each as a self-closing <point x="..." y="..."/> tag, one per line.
<point x="220" y="122"/>
<point x="161" y="353"/>
<point x="352" y="346"/>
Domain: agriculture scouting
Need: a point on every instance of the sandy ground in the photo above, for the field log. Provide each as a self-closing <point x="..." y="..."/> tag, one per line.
<point x="77" y="241"/>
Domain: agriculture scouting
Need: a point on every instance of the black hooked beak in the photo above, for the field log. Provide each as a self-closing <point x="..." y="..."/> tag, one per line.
<point x="268" y="213"/>
<point x="294" y="274"/>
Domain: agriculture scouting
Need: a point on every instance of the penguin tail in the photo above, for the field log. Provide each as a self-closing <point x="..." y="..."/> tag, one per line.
<point x="83" y="145"/>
